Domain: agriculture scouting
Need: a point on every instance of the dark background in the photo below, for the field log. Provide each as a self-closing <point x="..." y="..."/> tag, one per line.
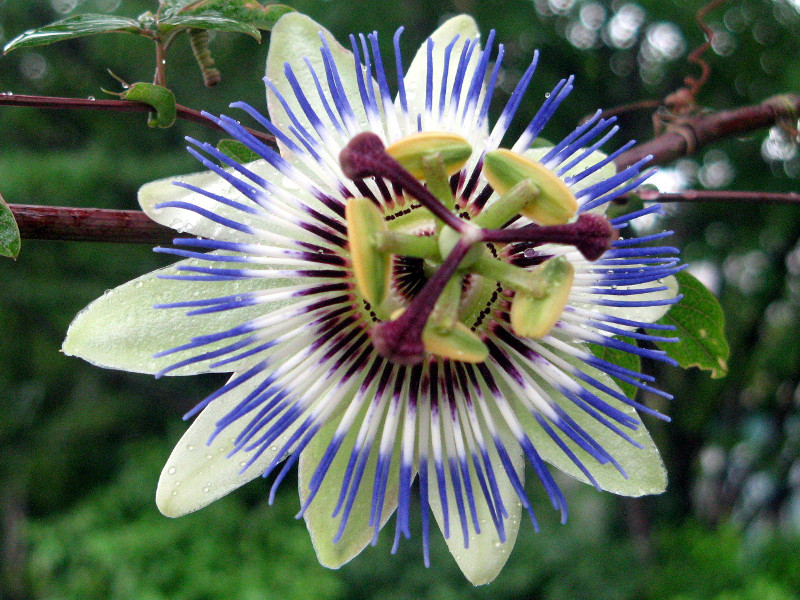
<point x="81" y="447"/>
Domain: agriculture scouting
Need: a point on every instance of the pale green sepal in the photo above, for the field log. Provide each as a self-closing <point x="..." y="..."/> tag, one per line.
<point x="463" y="26"/>
<point x="486" y="555"/>
<point x="322" y="526"/>
<point x="122" y="330"/>
<point x="294" y="38"/>
<point x="644" y="467"/>
<point x="189" y="222"/>
<point x="196" y="473"/>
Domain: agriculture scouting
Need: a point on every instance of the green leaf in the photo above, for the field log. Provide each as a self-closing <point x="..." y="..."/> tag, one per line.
<point x="73" y="27"/>
<point x="245" y="11"/>
<point x="620" y="358"/>
<point x="624" y="205"/>
<point x="700" y="325"/>
<point x="9" y="232"/>
<point x="160" y="98"/>
<point x="237" y="151"/>
<point x="208" y="21"/>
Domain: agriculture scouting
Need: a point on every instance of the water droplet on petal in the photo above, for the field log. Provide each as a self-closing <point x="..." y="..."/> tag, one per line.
<point x="171" y="471"/>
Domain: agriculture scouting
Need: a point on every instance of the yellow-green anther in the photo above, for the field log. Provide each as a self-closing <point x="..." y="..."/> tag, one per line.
<point x="406" y="244"/>
<point x="371" y="267"/>
<point x="555" y="203"/>
<point x="455" y="343"/>
<point x="453" y="149"/>
<point x="509" y="205"/>
<point x="533" y="316"/>
<point x="511" y="276"/>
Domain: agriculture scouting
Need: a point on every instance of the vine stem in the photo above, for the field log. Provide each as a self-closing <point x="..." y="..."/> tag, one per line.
<point x="183" y="112"/>
<point x="88" y="225"/>
<point x="689" y="135"/>
<point x="726" y="196"/>
<point x="160" y="77"/>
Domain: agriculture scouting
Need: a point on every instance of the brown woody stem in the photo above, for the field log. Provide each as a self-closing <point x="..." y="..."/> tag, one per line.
<point x="692" y="134"/>
<point x="726" y="196"/>
<point x="88" y="225"/>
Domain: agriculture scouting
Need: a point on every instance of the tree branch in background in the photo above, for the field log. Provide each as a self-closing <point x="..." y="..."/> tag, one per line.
<point x="689" y="135"/>
<point x="719" y="196"/>
<point x="185" y="113"/>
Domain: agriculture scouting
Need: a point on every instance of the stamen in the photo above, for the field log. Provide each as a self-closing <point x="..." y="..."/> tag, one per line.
<point x="400" y="340"/>
<point x="365" y="156"/>
<point x="591" y="235"/>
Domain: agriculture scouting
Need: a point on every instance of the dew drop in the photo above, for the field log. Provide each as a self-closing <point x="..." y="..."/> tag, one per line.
<point x="273" y="448"/>
<point x="209" y="456"/>
<point x="138" y="284"/>
<point x="171" y="471"/>
<point x="206" y="490"/>
<point x="190" y="448"/>
<point x="174" y="493"/>
<point x="92" y="98"/>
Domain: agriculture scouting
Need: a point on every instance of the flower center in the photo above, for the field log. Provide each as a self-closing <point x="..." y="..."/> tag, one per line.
<point x="430" y="276"/>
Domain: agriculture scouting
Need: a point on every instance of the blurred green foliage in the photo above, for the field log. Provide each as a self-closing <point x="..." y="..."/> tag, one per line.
<point x="81" y="447"/>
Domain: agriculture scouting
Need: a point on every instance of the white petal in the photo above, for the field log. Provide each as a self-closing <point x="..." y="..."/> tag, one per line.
<point x="187" y="221"/>
<point x="415" y="78"/>
<point x="196" y="474"/>
<point x="643" y="314"/>
<point x="297" y="37"/>
<point x="122" y="330"/>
